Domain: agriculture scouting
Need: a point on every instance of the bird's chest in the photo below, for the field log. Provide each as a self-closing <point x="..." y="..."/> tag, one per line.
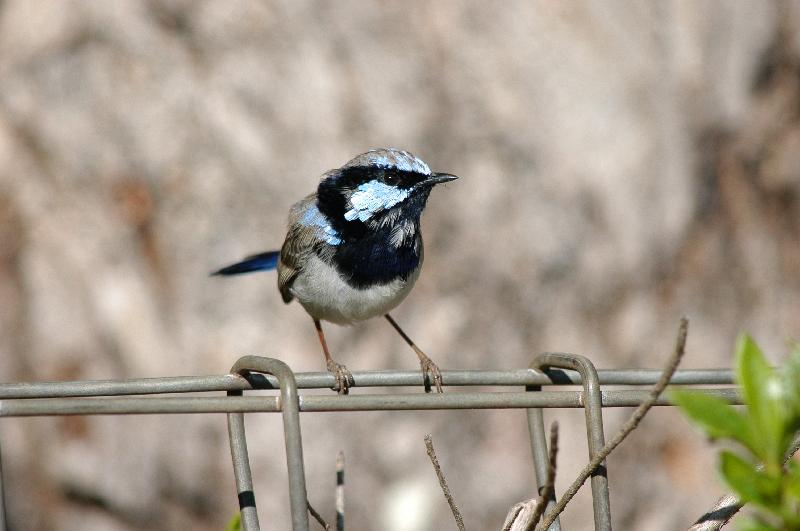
<point x="326" y="294"/>
<point x="380" y="259"/>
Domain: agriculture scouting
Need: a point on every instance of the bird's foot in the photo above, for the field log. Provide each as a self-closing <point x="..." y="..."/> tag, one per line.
<point x="430" y="372"/>
<point x="344" y="378"/>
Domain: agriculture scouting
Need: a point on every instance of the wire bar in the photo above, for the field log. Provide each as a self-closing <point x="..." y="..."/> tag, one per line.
<point x="290" y="408"/>
<point x="324" y="380"/>
<point x="252" y="373"/>
<point x="593" y="406"/>
<point x="3" y="523"/>
<point x="322" y="403"/>
<point x="541" y="456"/>
<point x="241" y="471"/>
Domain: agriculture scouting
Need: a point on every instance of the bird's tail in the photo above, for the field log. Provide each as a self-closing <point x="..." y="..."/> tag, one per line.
<point x="256" y="262"/>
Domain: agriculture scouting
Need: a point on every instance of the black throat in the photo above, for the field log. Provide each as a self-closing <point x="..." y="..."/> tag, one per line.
<point x="374" y="260"/>
<point x="367" y="256"/>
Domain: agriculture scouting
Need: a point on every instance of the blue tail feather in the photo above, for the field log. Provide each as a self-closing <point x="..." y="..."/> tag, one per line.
<point x="256" y="262"/>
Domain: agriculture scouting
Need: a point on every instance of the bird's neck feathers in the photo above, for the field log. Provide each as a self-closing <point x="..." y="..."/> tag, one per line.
<point x="377" y="218"/>
<point x="358" y="200"/>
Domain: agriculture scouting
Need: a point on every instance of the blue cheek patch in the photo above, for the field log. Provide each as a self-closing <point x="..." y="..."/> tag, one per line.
<point x="372" y="197"/>
<point x="314" y="218"/>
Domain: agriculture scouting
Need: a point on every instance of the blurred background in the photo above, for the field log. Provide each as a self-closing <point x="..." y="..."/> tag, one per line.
<point x="621" y="164"/>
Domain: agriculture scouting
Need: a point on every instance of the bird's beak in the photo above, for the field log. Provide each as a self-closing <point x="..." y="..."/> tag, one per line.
<point x="439" y="178"/>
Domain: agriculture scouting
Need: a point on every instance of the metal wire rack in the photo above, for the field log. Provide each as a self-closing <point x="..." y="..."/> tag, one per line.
<point x="134" y="396"/>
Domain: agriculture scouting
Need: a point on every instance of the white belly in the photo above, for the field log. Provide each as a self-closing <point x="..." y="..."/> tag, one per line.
<point x="325" y="295"/>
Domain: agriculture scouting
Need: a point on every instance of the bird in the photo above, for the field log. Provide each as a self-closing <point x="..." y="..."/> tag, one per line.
<point x="353" y="249"/>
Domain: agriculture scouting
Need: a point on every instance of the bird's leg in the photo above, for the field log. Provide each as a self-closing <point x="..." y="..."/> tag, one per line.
<point x="344" y="378"/>
<point x="430" y="371"/>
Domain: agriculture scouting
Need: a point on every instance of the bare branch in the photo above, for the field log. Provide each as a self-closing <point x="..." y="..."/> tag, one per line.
<point x="723" y="510"/>
<point x="525" y="515"/>
<point x="550" y="483"/>
<point x="627" y="428"/>
<point x="318" y="517"/>
<point x="520" y="515"/>
<point x="443" y="483"/>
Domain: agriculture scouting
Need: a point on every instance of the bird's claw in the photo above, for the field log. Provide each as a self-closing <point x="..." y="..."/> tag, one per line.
<point x="430" y="373"/>
<point x="344" y="378"/>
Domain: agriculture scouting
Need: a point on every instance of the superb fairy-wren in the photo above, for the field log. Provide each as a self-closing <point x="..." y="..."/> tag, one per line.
<point x="354" y="248"/>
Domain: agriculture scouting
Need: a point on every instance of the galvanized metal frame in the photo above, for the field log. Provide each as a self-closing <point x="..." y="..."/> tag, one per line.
<point x="117" y="397"/>
<point x="593" y="406"/>
<point x="290" y="405"/>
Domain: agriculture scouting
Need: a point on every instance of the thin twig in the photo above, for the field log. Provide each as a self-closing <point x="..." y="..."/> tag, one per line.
<point x="340" y="492"/>
<point x="520" y="514"/>
<point x="727" y="506"/>
<point x="720" y="513"/>
<point x="550" y="483"/>
<point x="627" y="428"/>
<point x="318" y="517"/>
<point x="443" y="483"/>
<point x="525" y="515"/>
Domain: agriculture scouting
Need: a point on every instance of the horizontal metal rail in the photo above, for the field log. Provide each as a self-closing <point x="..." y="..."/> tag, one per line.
<point x="319" y="403"/>
<point x="324" y="380"/>
<point x="147" y="396"/>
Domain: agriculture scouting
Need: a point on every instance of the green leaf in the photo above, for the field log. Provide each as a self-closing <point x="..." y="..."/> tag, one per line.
<point x="717" y="417"/>
<point x="791" y="381"/>
<point x="751" y="524"/>
<point x="792" y="480"/>
<point x="235" y="523"/>
<point x="765" y="396"/>
<point x="749" y="483"/>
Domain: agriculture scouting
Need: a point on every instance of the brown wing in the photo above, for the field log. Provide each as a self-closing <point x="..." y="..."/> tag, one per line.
<point x="297" y="248"/>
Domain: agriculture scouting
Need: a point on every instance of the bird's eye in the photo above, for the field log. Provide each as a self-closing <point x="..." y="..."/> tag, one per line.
<point x="391" y="179"/>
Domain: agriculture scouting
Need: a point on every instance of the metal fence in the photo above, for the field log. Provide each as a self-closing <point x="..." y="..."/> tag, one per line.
<point x="119" y="397"/>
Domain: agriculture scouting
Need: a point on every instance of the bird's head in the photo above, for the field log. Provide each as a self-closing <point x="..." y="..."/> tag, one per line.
<point x="379" y="188"/>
